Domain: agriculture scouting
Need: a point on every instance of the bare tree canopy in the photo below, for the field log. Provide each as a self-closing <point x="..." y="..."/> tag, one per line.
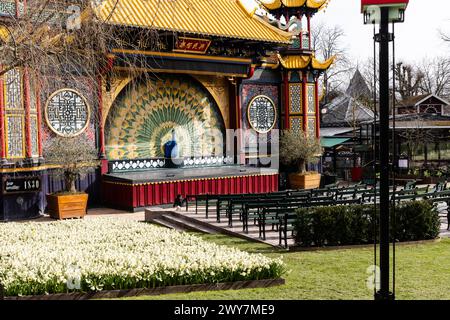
<point x="436" y="76"/>
<point x="327" y="41"/>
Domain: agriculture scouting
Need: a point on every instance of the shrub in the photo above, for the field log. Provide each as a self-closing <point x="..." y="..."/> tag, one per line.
<point x="356" y="224"/>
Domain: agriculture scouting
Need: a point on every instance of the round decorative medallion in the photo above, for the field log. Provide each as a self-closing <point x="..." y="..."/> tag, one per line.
<point x="67" y="113"/>
<point x="262" y="114"/>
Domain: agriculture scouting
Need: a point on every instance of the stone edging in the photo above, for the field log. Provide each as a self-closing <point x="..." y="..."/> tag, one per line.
<point x="111" y="294"/>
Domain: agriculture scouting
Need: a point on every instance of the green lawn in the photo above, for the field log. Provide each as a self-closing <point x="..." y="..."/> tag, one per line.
<point x="423" y="272"/>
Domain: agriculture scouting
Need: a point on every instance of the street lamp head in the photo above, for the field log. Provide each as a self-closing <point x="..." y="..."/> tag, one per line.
<point x="372" y="10"/>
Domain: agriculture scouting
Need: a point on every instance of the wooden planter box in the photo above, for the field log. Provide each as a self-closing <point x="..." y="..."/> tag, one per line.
<point x="309" y="180"/>
<point x="67" y="206"/>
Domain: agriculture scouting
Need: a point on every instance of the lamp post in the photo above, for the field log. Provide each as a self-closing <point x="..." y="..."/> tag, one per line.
<point x="383" y="12"/>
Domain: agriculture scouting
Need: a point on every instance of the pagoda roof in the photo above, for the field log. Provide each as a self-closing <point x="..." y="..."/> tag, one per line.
<point x="302" y="62"/>
<point x="276" y="4"/>
<point x="221" y="18"/>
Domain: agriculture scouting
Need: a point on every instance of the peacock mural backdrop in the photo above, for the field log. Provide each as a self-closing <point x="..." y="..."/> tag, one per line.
<point x="143" y="116"/>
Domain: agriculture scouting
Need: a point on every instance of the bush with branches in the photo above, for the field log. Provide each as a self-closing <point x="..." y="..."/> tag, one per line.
<point x="297" y="149"/>
<point x="72" y="157"/>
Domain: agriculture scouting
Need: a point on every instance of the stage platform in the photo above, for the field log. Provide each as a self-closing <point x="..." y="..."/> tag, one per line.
<point x="134" y="191"/>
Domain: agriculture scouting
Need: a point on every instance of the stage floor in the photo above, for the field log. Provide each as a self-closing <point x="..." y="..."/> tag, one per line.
<point x="165" y="175"/>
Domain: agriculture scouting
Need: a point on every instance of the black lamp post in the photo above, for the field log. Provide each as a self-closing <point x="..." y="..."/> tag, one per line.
<point x="384" y="12"/>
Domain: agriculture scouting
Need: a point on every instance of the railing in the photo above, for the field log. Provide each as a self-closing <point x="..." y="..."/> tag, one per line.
<point x="117" y="166"/>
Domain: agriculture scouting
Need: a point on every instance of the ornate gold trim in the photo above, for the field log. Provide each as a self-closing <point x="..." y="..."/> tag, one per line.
<point x="88" y="109"/>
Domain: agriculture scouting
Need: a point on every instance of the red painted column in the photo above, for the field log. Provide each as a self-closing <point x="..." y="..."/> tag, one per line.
<point x="17" y="9"/>
<point x="39" y="116"/>
<point x="2" y="120"/>
<point x="27" y="102"/>
<point x="287" y="123"/>
<point x="304" y="100"/>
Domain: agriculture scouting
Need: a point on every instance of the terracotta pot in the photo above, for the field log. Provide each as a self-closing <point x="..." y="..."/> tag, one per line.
<point x="308" y="180"/>
<point x="67" y="205"/>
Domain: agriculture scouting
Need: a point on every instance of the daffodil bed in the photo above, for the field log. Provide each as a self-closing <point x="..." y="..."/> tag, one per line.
<point x="110" y="253"/>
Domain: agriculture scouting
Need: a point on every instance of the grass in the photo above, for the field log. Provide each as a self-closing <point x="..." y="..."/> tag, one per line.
<point x="423" y="272"/>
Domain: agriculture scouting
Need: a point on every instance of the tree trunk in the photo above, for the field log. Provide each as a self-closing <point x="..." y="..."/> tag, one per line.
<point x="69" y="181"/>
<point x="302" y="166"/>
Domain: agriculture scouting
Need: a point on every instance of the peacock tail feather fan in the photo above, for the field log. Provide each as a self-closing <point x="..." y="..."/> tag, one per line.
<point x="142" y="118"/>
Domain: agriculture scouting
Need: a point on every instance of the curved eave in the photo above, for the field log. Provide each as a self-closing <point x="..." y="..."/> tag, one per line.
<point x="314" y="4"/>
<point x="271" y="4"/>
<point x="276" y="4"/>
<point x="318" y="65"/>
<point x="297" y="62"/>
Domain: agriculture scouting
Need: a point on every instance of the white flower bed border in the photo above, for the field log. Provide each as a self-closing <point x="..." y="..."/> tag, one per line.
<point x="111" y="254"/>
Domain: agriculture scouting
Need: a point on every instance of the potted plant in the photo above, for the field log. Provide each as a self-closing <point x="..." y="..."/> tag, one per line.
<point x="71" y="158"/>
<point x="297" y="149"/>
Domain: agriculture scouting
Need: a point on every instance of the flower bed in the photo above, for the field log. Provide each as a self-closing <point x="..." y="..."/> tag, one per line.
<point x="109" y="254"/>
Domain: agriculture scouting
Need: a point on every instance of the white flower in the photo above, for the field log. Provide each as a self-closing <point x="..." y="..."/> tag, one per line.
<point x="109" y="253"/>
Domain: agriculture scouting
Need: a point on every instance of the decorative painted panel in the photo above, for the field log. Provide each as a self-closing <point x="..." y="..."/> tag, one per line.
<point x="249" y="91"/>
<point x="13" y="90"/>
<point x="144" y="115"/>
<point x="296" y="124"/>
<point x="312" y="127"/>
<point x="81" y="84"/>
<point x="305" y="41"/>
<point x="295" y="97"/>
<point x="67" y="113"/>
<point x="262" y="114"/>
<point x="15" y="144"/>
<point x="34" y="136"/>
<point x="311" y="99"/>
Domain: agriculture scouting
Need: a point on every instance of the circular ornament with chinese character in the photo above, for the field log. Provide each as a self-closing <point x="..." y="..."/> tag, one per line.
<point x="262" y="114"/>
<point x="67" y="113"/>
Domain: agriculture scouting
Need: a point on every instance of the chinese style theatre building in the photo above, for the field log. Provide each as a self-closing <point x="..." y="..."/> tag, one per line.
<point x="219" y="66"/>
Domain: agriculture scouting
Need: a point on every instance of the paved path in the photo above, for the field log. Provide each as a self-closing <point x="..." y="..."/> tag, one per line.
<point x="253" y="231"/>
<point x="104" y="212"/>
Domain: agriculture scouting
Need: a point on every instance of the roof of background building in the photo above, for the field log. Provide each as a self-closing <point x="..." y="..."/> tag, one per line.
<point x="347" y="109"/>
<point x="221" y="18"/>
<point x="358" y="87"/>
<point x="331" y="132"/>
<point x="344" y="111"/>
<point x="416" y="100"/>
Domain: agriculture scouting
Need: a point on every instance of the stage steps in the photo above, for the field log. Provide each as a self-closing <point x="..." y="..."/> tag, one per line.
<point x="189" y="221"/>
<point x="173" y="220"/>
